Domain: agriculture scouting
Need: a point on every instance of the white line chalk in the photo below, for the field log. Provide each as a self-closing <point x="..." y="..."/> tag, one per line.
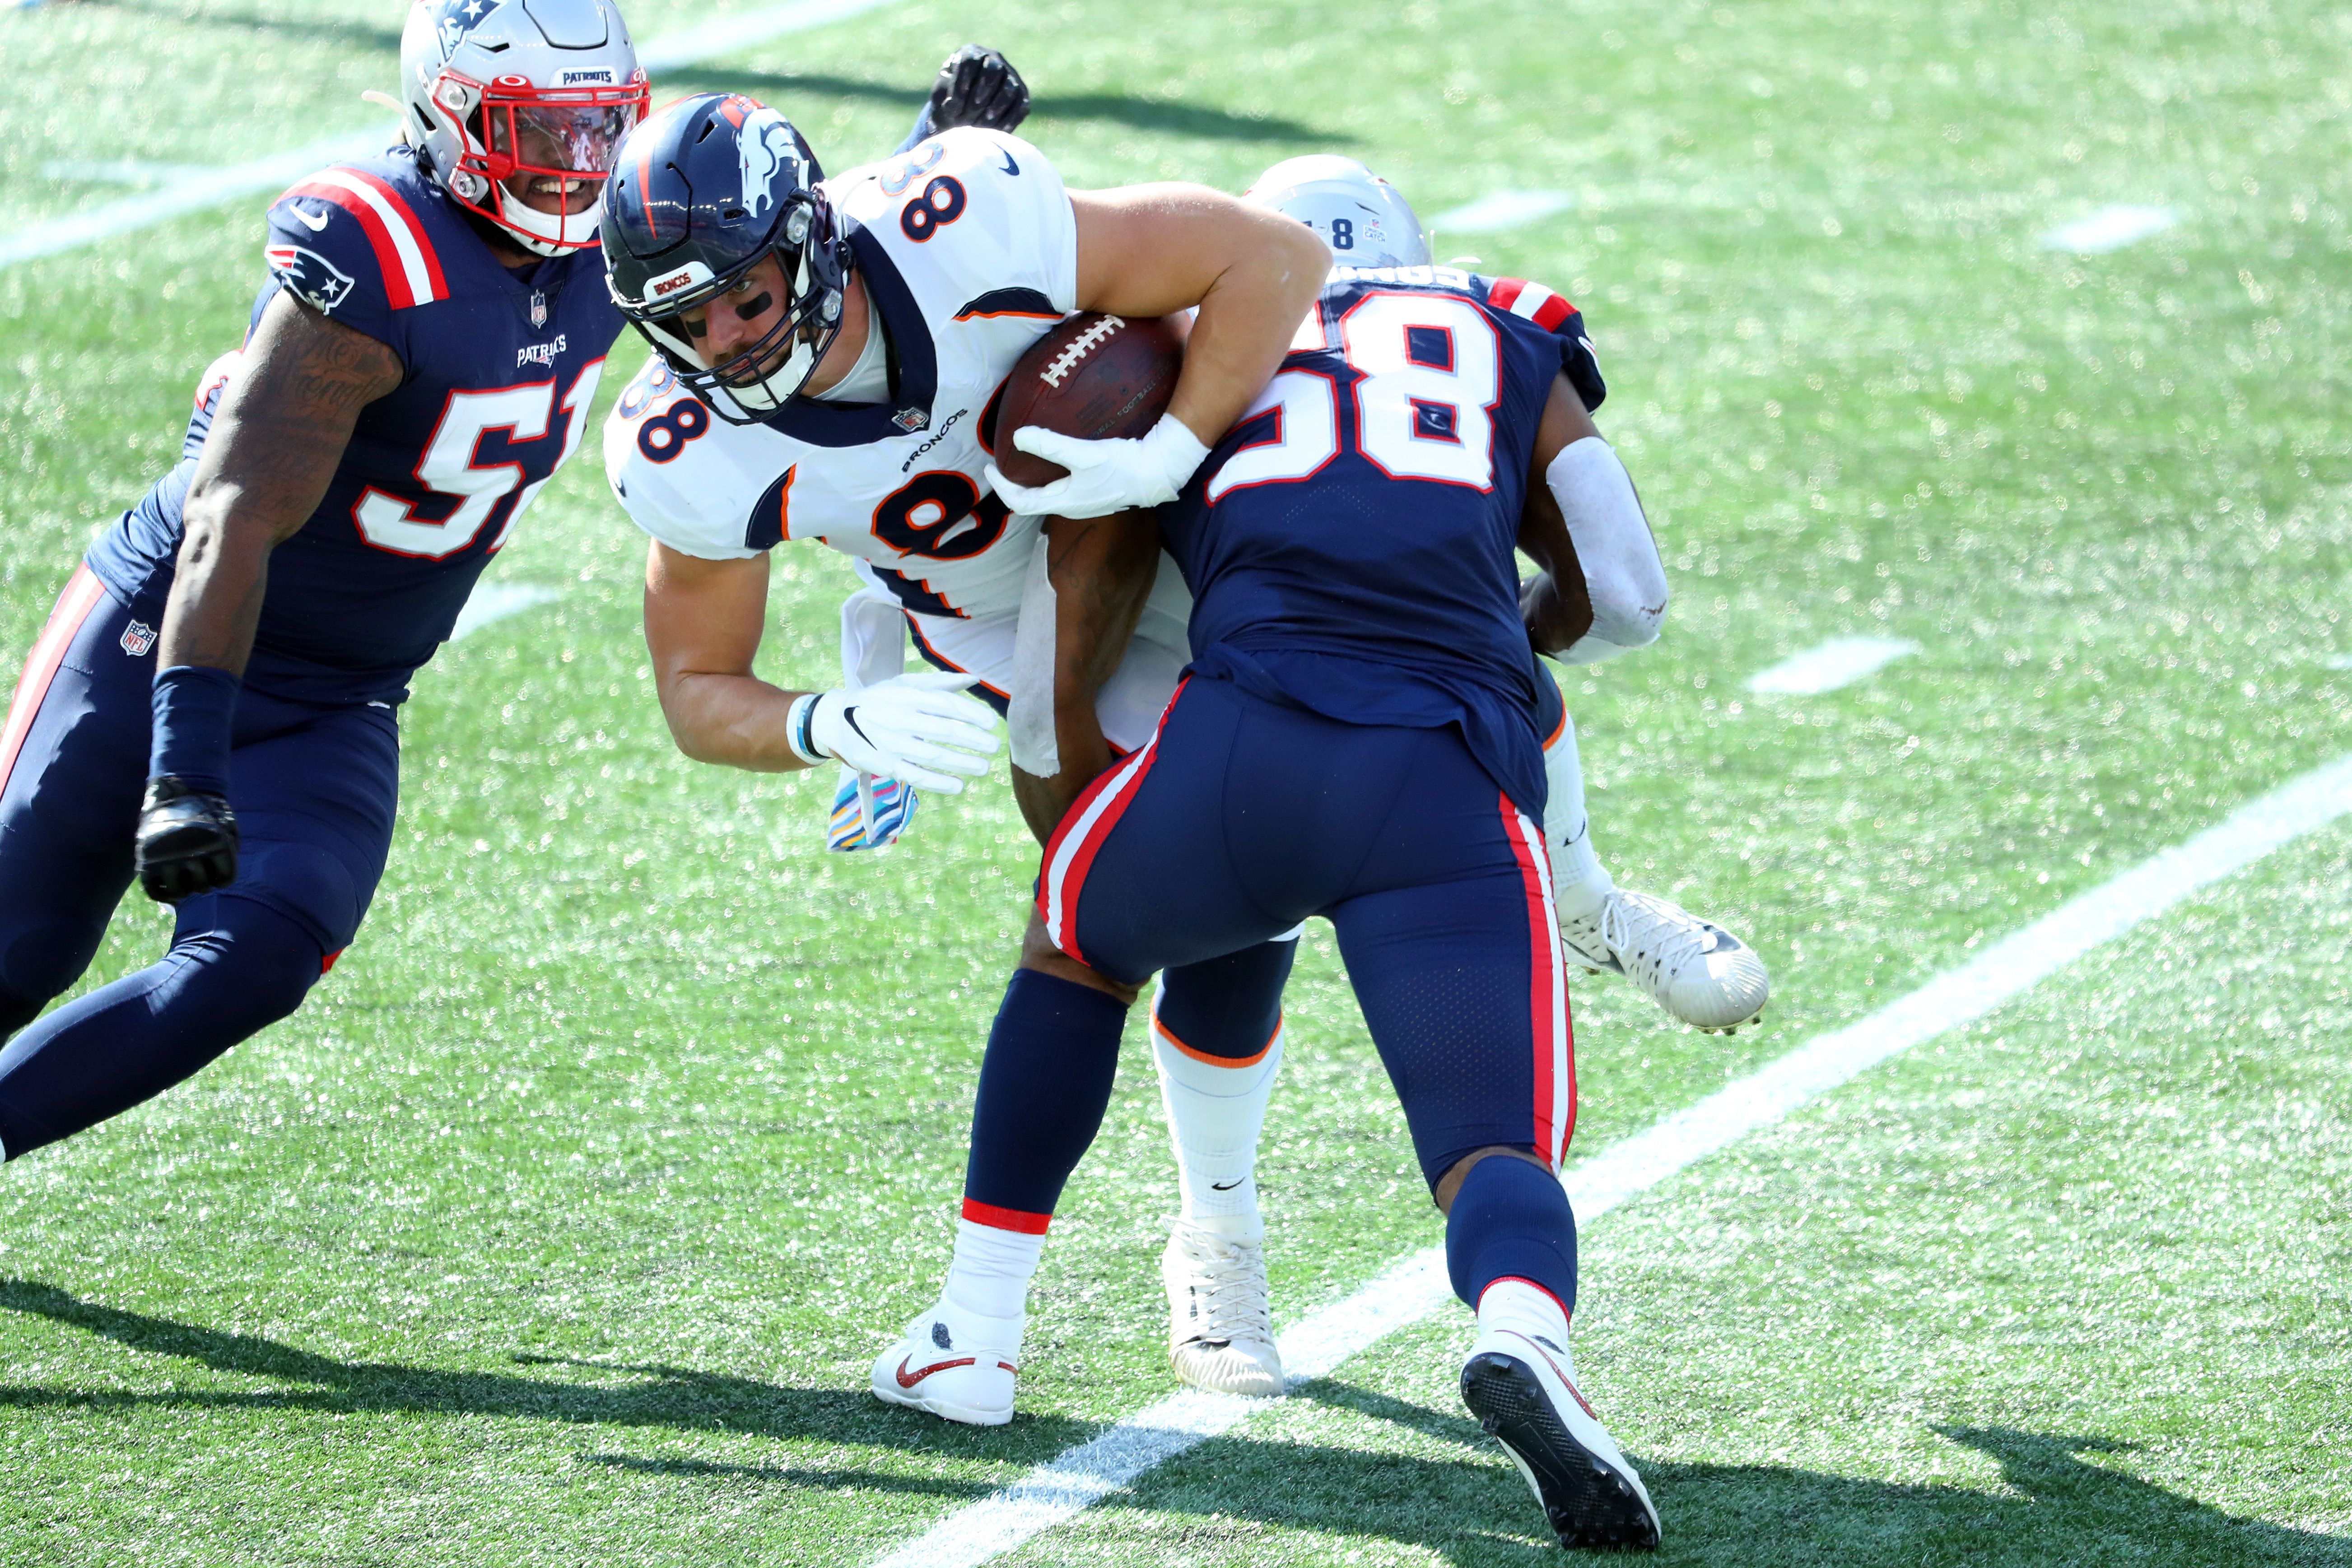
<point x="1416" y="1286"/>
<point x="496" y="601"/>
<point x="195" y="192"/>
<point x="1841" y="661"/>
<point x="1502" y="210"/>
<point x="2109" y="228"/>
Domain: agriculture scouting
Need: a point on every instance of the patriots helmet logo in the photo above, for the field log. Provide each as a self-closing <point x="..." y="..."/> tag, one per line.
<point x="765" y="147"/>
<point x="453" y="19"/>
<point x="310" y="275"/>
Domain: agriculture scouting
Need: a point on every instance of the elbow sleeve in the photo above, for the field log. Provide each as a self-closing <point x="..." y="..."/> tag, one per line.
<point x="1624" y="575"/>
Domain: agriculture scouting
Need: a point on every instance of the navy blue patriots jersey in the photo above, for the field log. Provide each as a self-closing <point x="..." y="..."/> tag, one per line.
<point x="501" y="368"/>
<point x="1349" y="543"/>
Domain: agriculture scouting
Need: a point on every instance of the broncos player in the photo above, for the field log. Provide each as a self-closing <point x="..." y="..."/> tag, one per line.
<point x="827" y="354"/>
<point x="214" y="704"/>
<point x="1359" y="736"/>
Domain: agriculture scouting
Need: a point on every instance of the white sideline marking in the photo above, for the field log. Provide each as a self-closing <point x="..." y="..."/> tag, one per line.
<point x="494" y="602"/>
<point x="1841" y="661"/>
<point x="2109" y="228"/>
<point x="1414" y="1288"/>
<point x="209" y="188"/>
<point x="1502" y="209"/>
<point x="2338" y="661"/>
<point x="124" y="171"/>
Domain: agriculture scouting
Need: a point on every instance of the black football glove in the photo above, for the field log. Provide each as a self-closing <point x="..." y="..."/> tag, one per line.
<point x="186" y="842"/>
<point x="977" y="86"/>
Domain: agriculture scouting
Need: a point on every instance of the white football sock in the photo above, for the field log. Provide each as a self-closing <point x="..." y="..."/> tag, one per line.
<point x="991" y="1272"/>
<point x="1215" y="1115"/>
<point x="1523" y="1307"/>
<point x="1579" y="881"/>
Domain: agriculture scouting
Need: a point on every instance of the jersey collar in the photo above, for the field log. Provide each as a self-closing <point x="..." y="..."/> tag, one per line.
<point x="824" y="424"/>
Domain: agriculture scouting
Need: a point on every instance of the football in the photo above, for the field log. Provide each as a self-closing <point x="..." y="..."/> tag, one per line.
<point x="1093" y="376"/>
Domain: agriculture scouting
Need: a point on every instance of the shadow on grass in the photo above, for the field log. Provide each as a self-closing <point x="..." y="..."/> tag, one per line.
<point x="1044" y="108"/>
<point x="679" y="1398"/>
<point x="1476" y="1511"/>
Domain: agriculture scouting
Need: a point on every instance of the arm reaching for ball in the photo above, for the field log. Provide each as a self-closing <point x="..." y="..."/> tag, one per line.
<point x="1602" y="589"/>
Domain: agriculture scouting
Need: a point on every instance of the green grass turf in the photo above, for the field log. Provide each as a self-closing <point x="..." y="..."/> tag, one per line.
<point x="560" y="1223"/>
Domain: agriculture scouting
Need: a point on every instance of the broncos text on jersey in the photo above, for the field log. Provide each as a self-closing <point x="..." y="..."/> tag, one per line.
<point x="501" y="368"/>
<point x="968" y="248"/>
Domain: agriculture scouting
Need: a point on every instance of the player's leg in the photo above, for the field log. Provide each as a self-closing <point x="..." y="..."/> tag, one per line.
<point x="1693" y="968"/>
<point x="1133" y="882"/>
<point x="1217" y="1041"/>
<point x="314" y="792"/>
<point x="73" y="762"/>
<point x="1457" y="965"/>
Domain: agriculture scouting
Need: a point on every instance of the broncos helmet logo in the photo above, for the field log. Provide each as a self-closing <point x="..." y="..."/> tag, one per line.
<point x="766" y="147"/>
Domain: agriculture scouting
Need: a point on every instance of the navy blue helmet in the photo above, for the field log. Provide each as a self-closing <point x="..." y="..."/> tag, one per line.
<point x="700" y="195"/>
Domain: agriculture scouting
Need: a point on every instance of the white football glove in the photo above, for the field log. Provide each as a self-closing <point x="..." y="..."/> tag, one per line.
<point x="901" y="728"/>
<point x="1104" y="477"/>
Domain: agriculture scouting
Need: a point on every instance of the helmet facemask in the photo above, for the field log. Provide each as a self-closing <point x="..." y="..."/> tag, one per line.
<point x="515" y="134"/>
<point x="765" y="374"/>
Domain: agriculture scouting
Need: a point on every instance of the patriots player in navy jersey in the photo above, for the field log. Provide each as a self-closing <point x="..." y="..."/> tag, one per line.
<point x="211" y="707"/>
<point x="1360" y="737"/>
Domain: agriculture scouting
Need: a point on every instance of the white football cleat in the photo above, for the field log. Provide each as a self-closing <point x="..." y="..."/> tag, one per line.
<point x="1523" y="1391"/>
<point x="956" y="1365"/>
<point x="1220" y="1329"/>
<point x="1693" y="968"/>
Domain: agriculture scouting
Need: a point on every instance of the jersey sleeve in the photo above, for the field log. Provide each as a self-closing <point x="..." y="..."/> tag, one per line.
<point x="1012" y="230"/>
<point x="1553" y="313"/>
<point x="663" y="471"/>
<point x="347" y="243"/>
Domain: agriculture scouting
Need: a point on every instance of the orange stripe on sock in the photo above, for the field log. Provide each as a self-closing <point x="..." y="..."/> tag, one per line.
<point x="1167" y="1035"/>
<point x="995" y="1218"/>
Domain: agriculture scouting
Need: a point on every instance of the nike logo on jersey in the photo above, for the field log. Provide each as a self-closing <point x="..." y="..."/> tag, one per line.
<point x="315" y="224"/>
<point x="1010" y="166"/>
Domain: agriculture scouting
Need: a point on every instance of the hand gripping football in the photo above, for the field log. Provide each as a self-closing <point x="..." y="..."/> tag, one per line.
<point x="1093" y="376"/>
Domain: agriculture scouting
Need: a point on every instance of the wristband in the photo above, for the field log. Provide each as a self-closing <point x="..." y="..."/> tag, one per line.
<point x="797" y="725"/>
<point x="193" y="706"/>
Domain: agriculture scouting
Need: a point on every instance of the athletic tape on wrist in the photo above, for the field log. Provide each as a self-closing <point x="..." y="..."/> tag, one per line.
<point x="798" y="724"/>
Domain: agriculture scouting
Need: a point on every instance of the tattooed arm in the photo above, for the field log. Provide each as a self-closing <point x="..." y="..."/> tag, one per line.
<point x="275" y="443"/>
<point x="1102" y="570"/>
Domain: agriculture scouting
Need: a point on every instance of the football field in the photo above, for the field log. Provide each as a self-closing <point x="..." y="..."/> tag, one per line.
<point x="562" y="1222"/>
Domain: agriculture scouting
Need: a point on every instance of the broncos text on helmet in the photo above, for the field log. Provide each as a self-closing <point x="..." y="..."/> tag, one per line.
<point x="504" y="100"/>
<point x="704" y="192"/>
<point x="1355" y="212"/>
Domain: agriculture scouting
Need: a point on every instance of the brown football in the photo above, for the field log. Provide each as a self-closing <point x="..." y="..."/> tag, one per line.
<point x="1093" y="376"/>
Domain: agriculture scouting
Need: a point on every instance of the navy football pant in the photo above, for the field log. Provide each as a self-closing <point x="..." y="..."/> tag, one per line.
<point x="314" y="790"/>
<point x="1240" y="819"/>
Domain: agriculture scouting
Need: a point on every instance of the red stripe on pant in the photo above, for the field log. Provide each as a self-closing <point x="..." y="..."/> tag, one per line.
<point x="1554" y="1040"/>
<point x="1070" y="853"/>
<point x="83" y="594"/>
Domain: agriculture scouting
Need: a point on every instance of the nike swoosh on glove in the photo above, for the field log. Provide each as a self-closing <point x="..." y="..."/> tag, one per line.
<point x="919" y="728"/>
<point x="1104" y="477"/>
<point x="186" y="842"/>
<point x="979" y="87"/>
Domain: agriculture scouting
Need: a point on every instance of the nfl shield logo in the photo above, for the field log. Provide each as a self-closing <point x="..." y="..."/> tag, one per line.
<point x="137" y="638"/>
<point x="538" y="309"/>
<point x="911" y="419"/>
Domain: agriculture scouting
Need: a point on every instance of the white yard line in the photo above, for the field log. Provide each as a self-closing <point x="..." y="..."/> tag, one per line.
<point x="1417" y="1286"/>
<point x="1502" y="209"/>
<point x="1841" y="661"/>
<point x="495" y="601"/>
<point x="195" y="192"/>
<point x="2109" y="228"/>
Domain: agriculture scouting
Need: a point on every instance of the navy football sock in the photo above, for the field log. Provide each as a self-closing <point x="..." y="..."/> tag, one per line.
<point x="100" y="1055"/>
<point x="1044" y="1087"/>
<point x="1511" y="1220"/>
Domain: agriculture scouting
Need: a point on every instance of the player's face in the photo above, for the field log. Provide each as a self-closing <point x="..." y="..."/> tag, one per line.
<point x="741" y="317"/>
<point x="546" y="138"/>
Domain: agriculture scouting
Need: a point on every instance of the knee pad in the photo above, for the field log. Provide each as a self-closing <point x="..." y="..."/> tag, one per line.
<point x="304" y="882"/>
<point x="249" y="963"/>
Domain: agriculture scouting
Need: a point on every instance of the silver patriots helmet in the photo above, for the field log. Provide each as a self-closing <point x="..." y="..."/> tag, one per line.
<point x="1355" y="212"/>
<point x="507" y="99"/>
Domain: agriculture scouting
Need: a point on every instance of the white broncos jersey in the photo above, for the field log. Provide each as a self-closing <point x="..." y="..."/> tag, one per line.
<point x="968" y="250"/>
